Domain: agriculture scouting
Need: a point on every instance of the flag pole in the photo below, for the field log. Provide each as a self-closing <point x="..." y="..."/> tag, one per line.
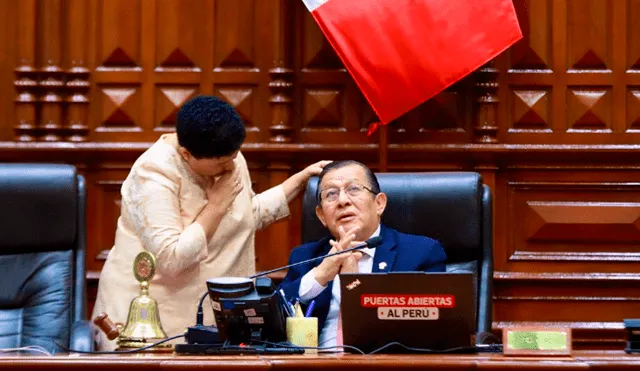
<point x="382" y="148"/>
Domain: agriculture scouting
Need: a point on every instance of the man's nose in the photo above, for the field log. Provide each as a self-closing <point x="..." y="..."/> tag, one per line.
<point x="343" y="198"/>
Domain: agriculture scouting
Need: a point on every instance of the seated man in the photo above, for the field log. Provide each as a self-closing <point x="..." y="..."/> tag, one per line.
<point x="350" y="205"/>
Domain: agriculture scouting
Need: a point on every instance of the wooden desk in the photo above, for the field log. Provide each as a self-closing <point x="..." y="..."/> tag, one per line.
<point x="581" y="360"/>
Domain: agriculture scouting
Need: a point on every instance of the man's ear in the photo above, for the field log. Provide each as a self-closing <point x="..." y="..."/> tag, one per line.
<point x="320" y="216"/>
<point x="381" y="203"/>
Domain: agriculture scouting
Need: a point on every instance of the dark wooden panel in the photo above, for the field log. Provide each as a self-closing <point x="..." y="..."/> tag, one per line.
<point x="10" y="53"/>
<point x="556" y="217"/>
<point x="551" y="124"/>
<point x="575" y="55"/>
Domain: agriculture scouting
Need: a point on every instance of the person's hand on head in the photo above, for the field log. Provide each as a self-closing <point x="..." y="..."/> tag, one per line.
<point x="294" y="184"/>
<point x="330" y="267"/>
<point x="315" y="169"/>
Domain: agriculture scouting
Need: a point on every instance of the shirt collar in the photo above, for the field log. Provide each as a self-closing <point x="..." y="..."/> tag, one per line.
<point x="368" y="250"/>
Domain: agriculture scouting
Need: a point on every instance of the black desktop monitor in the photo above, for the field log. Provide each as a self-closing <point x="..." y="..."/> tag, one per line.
<point x="246" y="311"/>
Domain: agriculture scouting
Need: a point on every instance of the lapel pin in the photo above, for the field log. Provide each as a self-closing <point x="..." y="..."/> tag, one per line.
<point x="382" y="266"/>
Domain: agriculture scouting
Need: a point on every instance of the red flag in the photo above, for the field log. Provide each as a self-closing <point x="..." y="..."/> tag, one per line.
<point x="403" y="52"/>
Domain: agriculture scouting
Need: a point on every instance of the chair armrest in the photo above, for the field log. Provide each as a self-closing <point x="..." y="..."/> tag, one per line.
<point x="82" y="336"/>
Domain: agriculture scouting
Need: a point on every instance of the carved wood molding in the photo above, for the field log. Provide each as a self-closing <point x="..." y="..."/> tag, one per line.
<point x="565" y="276"/>
<point x="281" y="75"/>
<point x="52" y="102"/>
<point x="486" y="128"/>
<point x="495" y="156"/>
<point x="26" y="82"/>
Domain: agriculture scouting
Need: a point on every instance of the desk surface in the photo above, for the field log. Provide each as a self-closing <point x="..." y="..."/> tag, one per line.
<point x="595" y="360"/>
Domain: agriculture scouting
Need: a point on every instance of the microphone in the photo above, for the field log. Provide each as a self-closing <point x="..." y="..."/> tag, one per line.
<point x="371" y="243"/>
<point x="209" y="334"/>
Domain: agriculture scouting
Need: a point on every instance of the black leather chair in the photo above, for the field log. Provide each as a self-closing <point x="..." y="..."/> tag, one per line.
<point x="42" y="257"/>
<point x="452" y="207"/>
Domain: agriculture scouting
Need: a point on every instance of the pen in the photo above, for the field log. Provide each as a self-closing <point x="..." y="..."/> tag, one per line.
<point x="292" y="307"/>
<point x="286" y="304"/>
<point x="310" y="308"/>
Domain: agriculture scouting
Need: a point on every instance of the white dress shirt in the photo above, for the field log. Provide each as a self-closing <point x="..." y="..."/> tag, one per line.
<point x="310" y="289"/>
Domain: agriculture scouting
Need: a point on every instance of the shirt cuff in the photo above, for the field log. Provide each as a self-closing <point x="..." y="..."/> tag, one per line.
<point x="309" y="287"/>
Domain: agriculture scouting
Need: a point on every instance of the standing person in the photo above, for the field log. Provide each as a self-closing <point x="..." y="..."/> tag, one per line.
<point x="188" y="201"/>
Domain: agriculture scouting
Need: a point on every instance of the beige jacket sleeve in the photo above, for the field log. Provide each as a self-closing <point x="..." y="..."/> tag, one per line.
<point x="152" y="201"/>
<point x="268" y="206"/>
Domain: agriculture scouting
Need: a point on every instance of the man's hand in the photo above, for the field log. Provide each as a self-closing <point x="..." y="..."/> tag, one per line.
<point x="350" y="264"/>
<point x="330" y="267"/>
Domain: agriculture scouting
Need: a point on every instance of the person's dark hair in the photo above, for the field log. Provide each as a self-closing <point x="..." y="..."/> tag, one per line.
<point x="373" y="185"/>
<point x="209" y="127"/>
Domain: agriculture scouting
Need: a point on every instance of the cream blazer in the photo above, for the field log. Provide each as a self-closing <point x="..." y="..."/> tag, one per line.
<point x="161" y="198"/>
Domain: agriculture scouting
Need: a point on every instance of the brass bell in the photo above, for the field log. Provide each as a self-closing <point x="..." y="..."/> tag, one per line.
<point x="143" y="325"/>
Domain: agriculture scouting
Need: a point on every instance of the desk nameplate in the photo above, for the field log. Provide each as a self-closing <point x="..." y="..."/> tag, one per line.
<point x="537" y="341"/>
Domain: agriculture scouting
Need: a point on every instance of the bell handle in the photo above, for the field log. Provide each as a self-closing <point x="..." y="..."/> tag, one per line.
<point x="107" y="326"/>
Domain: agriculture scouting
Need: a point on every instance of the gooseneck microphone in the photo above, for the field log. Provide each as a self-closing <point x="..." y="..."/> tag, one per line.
<point x="370" y="243"/>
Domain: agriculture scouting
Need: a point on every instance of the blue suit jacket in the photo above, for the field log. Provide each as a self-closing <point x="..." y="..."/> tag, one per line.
<point x="402" y="253"/>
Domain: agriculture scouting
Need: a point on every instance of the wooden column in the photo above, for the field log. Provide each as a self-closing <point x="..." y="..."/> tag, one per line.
<point x="26" y="74"/>
<point x="281" y="74"/>
<point x="486" y="128"/>
<point x="77" y="73"/>
<point x="51" y="74"/>
<point x="280" y="130"/>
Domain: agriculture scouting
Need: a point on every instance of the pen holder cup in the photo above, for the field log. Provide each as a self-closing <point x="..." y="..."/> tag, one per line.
<point x="303" y="332"/>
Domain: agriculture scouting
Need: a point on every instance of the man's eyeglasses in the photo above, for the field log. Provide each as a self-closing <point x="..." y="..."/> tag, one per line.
<point x="331" y="195"/>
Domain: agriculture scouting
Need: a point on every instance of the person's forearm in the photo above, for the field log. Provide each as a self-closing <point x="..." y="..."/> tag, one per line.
<point x="176" y="253"/>
<point x="209" y="218"/>
<point x="309" y="288"/>
<point x="322" y="276"/>
<point x="294" y="185"/>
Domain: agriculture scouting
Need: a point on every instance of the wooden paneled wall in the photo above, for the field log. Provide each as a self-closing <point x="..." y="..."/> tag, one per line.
<point x="552" y="124"/>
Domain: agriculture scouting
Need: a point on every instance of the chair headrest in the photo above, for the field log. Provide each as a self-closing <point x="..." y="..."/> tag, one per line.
<point x="446" y="206"/>
<point x="38" y="207"/>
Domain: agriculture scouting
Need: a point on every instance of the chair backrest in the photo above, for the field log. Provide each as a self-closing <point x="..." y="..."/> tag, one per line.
<point x="451" y="207"/>
<point x="42" y="254"/>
